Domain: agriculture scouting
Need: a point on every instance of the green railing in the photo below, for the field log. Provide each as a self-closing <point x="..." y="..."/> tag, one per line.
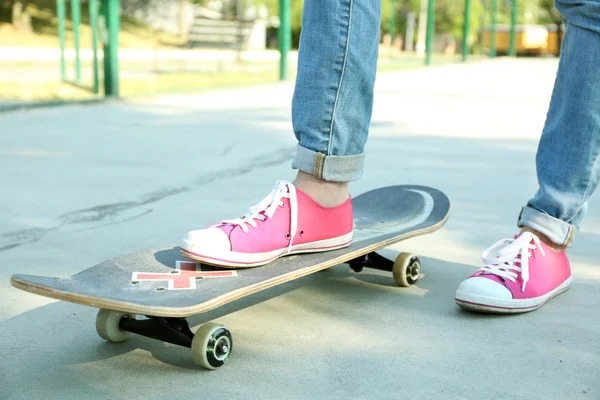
<point x="512" y="47"/>
<point x="284" y="37"/>
<point x="466" y="28"/>
<point x="104" y="25"/>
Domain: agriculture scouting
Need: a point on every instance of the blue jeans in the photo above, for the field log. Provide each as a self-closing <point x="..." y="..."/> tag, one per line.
<point x="333" y="99"/>
<point x="567" y="158"/>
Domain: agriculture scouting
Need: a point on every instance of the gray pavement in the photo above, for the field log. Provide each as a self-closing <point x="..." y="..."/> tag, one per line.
<point x="81" y="184"/>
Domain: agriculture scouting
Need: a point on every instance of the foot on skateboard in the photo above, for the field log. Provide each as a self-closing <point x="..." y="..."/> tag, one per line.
<point x="285" y="222"/>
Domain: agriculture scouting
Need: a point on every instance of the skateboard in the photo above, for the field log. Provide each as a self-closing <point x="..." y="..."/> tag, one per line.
<point x="166" y="288"/>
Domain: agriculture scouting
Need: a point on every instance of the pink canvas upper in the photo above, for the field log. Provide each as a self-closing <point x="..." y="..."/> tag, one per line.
<point x="546" y="272"/>
<point x="314" y="223"/>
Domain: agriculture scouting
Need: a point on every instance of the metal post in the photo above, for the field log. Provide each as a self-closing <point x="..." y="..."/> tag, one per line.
<point x="392" y="23"/>
<point x="493" y="29"/>
<point x="512" y="50"/>
<point x="93" y="4"/>
<point x="430" y="31"/>
<point x="110" y="10"/>
<point x="61" y="14"/>
<point x="76" y="17"/>
<point x="466" y="29"/>
<point x="284" y="37"/>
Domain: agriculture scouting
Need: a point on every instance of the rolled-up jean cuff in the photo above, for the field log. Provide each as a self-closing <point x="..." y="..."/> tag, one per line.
<point x="329" y="168"/>
<point x="558" y="231"/>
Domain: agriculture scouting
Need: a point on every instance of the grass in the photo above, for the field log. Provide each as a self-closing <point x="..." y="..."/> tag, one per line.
<point x="140" y="79"/>
<point x="191" y="81"/>
<point x="151" y="83"/>
<point x="137" y="78"/>
<point x="45" y="30"/>
<point x="50" y="91"/>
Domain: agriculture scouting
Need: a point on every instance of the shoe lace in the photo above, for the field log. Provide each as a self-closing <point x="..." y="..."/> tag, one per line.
<point x="266" y="209"/>
<point x="508" y="257"/>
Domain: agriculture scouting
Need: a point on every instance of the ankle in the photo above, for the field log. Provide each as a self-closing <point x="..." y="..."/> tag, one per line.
<point x="545" y="239"/>
<point x="325" y="193"/>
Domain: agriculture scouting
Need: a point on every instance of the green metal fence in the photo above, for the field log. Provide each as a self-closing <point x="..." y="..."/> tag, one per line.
<point x="104" y="25"/>
<point x="512" y="50"/>
<point x="465" y="53"/>
<point x="284" y="34"/>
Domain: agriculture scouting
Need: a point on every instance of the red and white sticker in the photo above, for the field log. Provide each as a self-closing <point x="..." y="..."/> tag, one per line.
<point x="183" y="277"/>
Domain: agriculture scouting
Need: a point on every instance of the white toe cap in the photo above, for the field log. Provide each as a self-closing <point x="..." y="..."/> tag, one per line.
<point x="211" y="241"/>
<point x="479" y="286"/>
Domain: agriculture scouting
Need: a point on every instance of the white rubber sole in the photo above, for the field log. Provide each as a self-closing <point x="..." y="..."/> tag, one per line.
<point x="506" y="306"/>
<point x="246" y="260"/>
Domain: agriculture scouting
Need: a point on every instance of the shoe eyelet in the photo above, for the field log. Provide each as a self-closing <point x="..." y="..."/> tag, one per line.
<point x="288" y="236"/>
<point x="301" y="233"/>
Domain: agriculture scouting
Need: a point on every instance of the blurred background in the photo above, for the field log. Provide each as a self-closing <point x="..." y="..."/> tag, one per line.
<point x="65" y="50"/>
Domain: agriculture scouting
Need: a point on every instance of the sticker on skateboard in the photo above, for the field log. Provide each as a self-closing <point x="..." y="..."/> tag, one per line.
<point x="183" y="277"/>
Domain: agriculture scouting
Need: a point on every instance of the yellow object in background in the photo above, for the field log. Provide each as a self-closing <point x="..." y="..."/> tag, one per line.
<point x="530" y="39"/>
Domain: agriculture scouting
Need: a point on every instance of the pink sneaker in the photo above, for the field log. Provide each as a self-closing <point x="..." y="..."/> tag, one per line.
<point x="522" y="276"/>
<point x="287" y="221"/>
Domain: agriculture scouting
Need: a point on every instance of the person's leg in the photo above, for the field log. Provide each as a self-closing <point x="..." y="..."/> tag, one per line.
<point x="568" y="170"/>
<point x="333" y="98"/>
<point x="567" y="158"/>
<point x="331" y="113"/>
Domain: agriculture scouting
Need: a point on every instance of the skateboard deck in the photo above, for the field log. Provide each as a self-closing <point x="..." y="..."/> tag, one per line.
<point x="163" y="285"/>
<point x="150" y="282"/>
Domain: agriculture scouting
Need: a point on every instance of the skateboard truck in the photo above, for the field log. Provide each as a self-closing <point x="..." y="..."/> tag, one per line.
<point x="406" y="269"/>
<point x="211" y="344"/>
<point x="177" y="331"/>
<point x="170" y="330"/>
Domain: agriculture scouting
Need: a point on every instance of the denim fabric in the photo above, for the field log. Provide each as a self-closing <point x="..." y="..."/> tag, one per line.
<point x="333" y="97"/>
<point x="567" y="158"/>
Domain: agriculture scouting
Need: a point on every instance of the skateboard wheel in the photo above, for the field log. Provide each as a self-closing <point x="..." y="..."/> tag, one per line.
<point x="407" y="269"/>
<point x="212" y="345"/>
<point x="107" y="325"/>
